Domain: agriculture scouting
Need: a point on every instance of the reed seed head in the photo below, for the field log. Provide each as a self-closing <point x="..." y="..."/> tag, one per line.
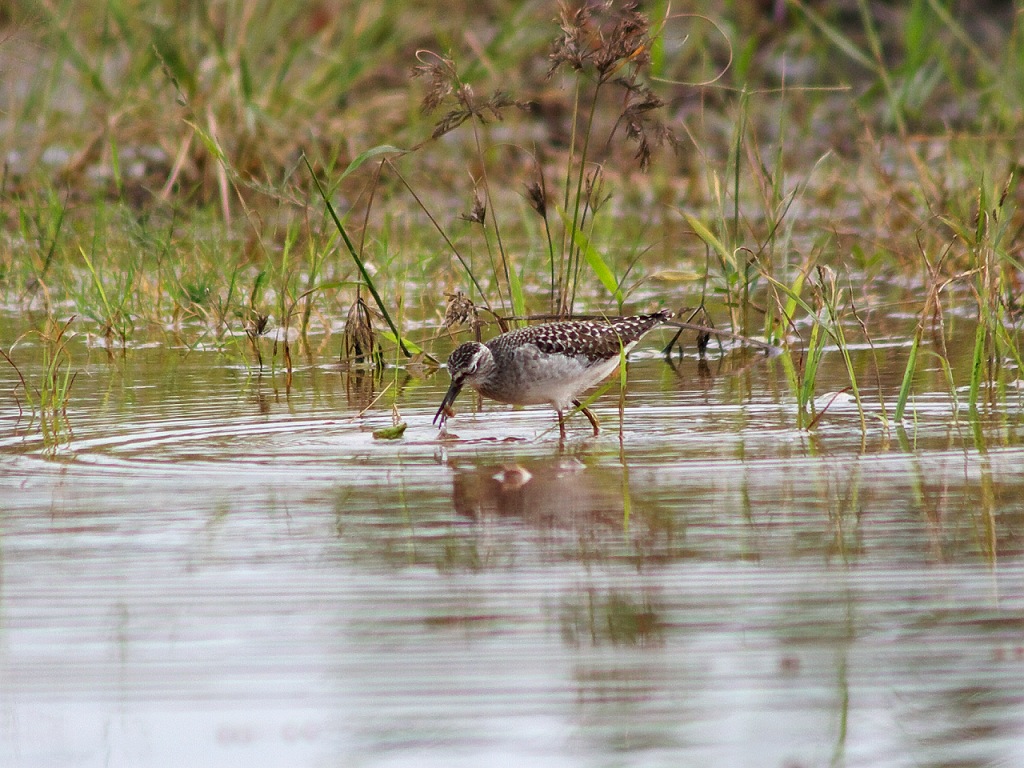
<point x="445" y="85"/>
<point x="613" y="45"/>
<point x="607" y="42"/>
<point x="479" y="212"/>
<point x="642" y="124"/>
<point x="537" y="198"/>
<point x="594" y="189"/>
<point x="256" y="324"/>
<point x="359" y="340"/>
<point x="441" y="76"/>
<point x="460" y="309"/>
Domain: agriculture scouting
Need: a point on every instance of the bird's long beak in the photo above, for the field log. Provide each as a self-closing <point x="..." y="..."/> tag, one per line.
<point x="449" y="397"/>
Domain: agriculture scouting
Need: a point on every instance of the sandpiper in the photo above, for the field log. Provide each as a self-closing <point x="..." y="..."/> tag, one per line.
<point x="551" y="363"/>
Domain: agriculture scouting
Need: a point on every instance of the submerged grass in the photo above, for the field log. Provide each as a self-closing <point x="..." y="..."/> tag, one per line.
<point x="48" y="395"/>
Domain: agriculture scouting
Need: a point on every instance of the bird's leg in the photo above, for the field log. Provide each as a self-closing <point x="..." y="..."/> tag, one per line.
<point x="561" y="424"/>
<point x="590" y="416"/>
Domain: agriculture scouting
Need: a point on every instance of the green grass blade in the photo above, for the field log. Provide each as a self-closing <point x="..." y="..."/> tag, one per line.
<point x="978" y="54"/>
<point x="977" y="365"/>
<point x="793" y="293"/>
<point x="96" y="281"/>
<point x="709" y="238"/>
<point x="908" y="376"/>
<point x="257" y="286"/>
<point x="516" y="289"/>
<point x="840" y="337"/>
<point x="814" y="352"/>
<point x="950" y="382"/>
<point x="841" y="41"/>
<point x="383" y="149"/>
<point x="405" y="343"/>
<point x="209" y="142"/>
<point x="597" y="263"/>
<point x="359" y="262"/>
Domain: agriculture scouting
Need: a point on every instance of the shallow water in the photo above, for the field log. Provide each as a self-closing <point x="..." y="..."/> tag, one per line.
<point x="211" y="568"/>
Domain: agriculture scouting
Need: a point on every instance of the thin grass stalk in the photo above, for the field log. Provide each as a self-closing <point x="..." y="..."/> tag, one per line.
<point x="627" y="498"/>
<point x="565" y="265"/>
<point x="494" y="271"/>
<point x="46" y="392"/>
<point x="988" y="506"/>
<point x="359" y="262"/>
<point x="875" y="43"/>
<point x="490" y="205"/>
<point x="977" y="363"/>
<point x="908" y="375"/>
<point x="225" y="306"/>
<point x="578" y="202"/>
<point x="742" y="297"/>
<point x="737" y="155"/>
<point x="458" y="255"/>
<point x="883" y="411"/>
<point x="57" y="379"/>
<point x="623" y="382"/>
<point x="801" y="378"/>
<point x="791" y="369"/>
<point x="284" y="300"/>
<point x="815" y="350"/>
<point x="931" y="301"/>
<point x="316" y="261"/>
<point x="987" y="297"/>
<point x="542" y="209"/>
<point x="317" y="258"/>
<point x="844" y="349"/>
<point x="580" y="212"/>
<point x="951" y="383"/>
<point x="832" y="300"/>
<point x="24" y="385"/>
<point x="96" y="281"/>
<point x="551" y="262"/>
<point x="598" y="266"/>
<point x="581" y="252"/>
<point x="517" y="296"/>
<point x="52" y="250"/>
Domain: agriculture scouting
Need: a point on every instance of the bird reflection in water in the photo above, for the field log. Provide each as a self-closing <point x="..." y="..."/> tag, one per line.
<point x="557" y="494"/>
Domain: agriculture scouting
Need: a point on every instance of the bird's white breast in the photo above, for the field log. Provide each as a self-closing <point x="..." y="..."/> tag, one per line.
<point x="555" y="378"/>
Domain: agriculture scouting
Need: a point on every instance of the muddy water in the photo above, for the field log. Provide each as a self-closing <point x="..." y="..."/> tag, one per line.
<point x="211" y="569"/>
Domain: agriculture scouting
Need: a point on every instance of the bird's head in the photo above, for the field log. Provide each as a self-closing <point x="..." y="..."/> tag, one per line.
<point x="468" y="364"/>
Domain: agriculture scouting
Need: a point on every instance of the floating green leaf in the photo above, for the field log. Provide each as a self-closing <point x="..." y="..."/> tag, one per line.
<point x="390" y="433"/>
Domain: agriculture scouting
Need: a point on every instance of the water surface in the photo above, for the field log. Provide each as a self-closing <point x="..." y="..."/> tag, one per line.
<point x="213" y="568"/>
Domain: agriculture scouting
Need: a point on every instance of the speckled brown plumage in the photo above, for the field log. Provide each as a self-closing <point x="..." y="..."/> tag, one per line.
<point x="593" y="339"/>
<point x="551" y="363"/>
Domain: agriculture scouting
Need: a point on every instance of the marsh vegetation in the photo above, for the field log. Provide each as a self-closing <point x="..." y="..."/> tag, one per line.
<point x="239" y="240"/>
<point x="818" y="177"/>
